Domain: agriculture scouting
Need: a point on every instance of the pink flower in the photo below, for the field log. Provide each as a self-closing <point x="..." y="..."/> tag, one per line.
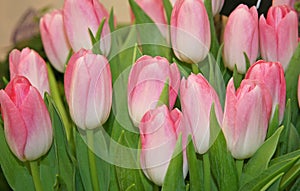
<point x="159" y="130"/>
<point x="31" y="65"/>
<point x="197" y="97"/>
<point x="81" y="15"/>
<point x="241" y="36"/>
<point x="54" y="39"/>
<point x="146" y="81"/>
<point x="246" y="117"/>
<point x="27" y="124"/>
<point x="216" y="6"/>
<point x="272" y="74"/>
<point x="190" y="31"/>
<point x="279" y="35"/>
<point x="290" y="3"/>
<point x="88" y="89"/>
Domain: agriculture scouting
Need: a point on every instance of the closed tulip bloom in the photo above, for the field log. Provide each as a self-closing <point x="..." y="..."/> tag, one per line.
<point x="146" y="81"/>
<point x="272" y="74"/>
<point x="190" y="31"/>
<point x="159" y="131"/>
<point x="54" y="39"/>
<point x="241" y="36"/>
<point x="31" y="65"/>
<point x="27" y="124"/>
<point x="279" y="35"/>
<point x="197" y="97"/>
<point x="246" y="117"/>
<point x="88" y="89"/>
<point x="216" y="6"/>
<point x="81" y="15"/>
<point x="290" y="3"/>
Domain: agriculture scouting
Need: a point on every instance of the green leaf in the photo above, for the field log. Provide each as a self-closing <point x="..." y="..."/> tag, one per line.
<point x="247" y="61"/>
<point x="260" y="160"/>
<point x="164" y="96"/>
<point x="195" y="167"/>
<point x="92" y="37"/>
<point x="284" y="158"/>
<point x="152" y="41"/>
<point x="99" y="31"/>
<point x="290" y="176"/>
<point x="111" y="20"/>
<point x="222" y="163"/>
<point x="284" y="138"/>
<point x="168" y="8"/>
<point x="274" y="122"/>
<point x="184" y="68"/>
<point x="237" y="77"/>
<point x="63" y="156"/>
<point x="15" y="172"/>
<point x="174" y="179"/>
<point x="214" y="47"/>
<point x="291" y="75"/>
<point x="293" y="140"/>
<point x="268" y="175"/>
<point x="103" y="168"/>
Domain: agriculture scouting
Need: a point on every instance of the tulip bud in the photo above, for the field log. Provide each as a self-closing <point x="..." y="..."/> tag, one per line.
<point x="272" y="74"/>
<point x="31" y="65"/>
<point x="159" y="131"/>
<point x="279" y="35"/>
<point x="289" y="3"/>
<point x="54" y="39"/>
<point x="216" y="6"/>
<point x="197" y="97"/>
<point x="27" y="124"/>
<point x="146" y="81"/>
<point x="190" y="31"/>
<point x="81" y="15"/>
<point x="246" y="117"/>
<point x="88" y="89"/>
<point x="241" y="36"/>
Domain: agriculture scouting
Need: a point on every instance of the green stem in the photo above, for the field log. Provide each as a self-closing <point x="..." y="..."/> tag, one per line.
<point x="36" y="175"/>
<point x="156" y="188"/>
<point x="207" y="174"/>
<point x="195" y="69"/>
<point x="92" y="162"/>
<point x="58" y="102"/>
<point x="239" y="166"/>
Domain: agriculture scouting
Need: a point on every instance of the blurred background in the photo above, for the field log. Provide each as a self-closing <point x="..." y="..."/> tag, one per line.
<point x="14" y="12"/>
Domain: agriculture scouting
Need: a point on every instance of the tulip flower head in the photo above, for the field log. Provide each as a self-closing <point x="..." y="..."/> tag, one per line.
<point x="88" y="89"/>
<point x="31" y="65"/>
<point x="146" y="81"/>
<point x="278" y="35"/>
<point x="80" y="16"/>
<point x="197" y="97"/>
<point x="159" y="131"/>
<point x="246" y="117"/>
<point x="272" y="74"/>
<point x="289" y="3"/>
<point x="54" y="39"/>
<point x="216" y="6"/>
<point x="241" y="36"/>
<point x="27" y="124"/>
<point x="190" y="31"/>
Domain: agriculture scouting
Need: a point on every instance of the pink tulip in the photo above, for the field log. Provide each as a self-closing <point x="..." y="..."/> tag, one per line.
<point x="216" y="6"/>
<point x="272" y="74"/>
<point x="246" y="117"/>
<point x="27" y="124"/>
<point x="159" y="130"/>
<point x="279" y="35"/>
<point x="54" y="39"/>
<point x="290" y="3"/>
<point x="81" y="15"/>
<point x="197" y="97"/>
<point x="31" y="65"/>
<point x="88" y="89"/>
<point x="146" y="81"/>
<point x="190" y="31"/>
<point x="241" y="36"/>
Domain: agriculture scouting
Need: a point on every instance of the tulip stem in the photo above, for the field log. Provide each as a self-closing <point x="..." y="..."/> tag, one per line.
<point x="195" y="69"/>
<point x="239" y="166"/>
<point x="36" y="175"/>
<point x="207" y="174"/>
<point x="92" y="161"/>
<point x="155" y="188"/>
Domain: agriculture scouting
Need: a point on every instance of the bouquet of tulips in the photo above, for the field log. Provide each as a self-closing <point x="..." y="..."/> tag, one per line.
<point x="160" y="104"/>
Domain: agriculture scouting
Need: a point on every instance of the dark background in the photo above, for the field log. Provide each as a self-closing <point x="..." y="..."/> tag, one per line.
<point x="230" y="5"/>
